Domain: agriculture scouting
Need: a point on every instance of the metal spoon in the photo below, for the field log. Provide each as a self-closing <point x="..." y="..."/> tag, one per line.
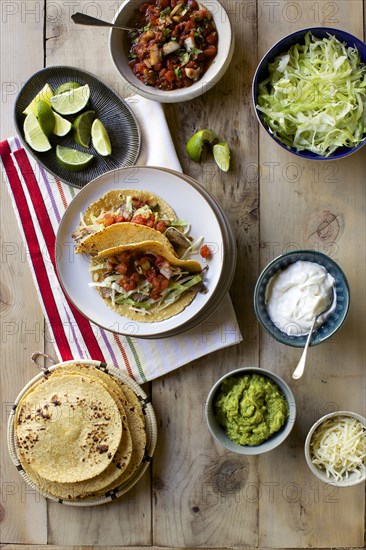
<point x="83" y="19"/>
<point x="299" y="371"/>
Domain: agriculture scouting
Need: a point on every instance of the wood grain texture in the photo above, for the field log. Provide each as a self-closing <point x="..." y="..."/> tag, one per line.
<point x="226" y="109"/>
<point x="20" y="313"/>
<point x="128" y="521"/>
<point x="88" y="547"/>
<point x="319" y="206"/>
<point x="199" y="490"/>
<point x="82" y="46"/>
<point x="199" y="495"/>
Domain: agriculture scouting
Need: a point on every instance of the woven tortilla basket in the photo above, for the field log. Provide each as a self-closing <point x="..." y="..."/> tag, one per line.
<point x="150" y="426"/>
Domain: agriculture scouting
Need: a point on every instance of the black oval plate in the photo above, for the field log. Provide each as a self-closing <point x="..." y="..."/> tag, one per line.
<point x="116" y="115"/>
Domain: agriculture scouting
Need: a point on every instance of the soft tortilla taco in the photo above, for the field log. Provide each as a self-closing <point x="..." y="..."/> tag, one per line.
<point x="118" y="207"/>
<point x="146" y="282"/>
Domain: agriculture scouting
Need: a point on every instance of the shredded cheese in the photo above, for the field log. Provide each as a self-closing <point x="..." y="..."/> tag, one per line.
<point x="338" y="446"/>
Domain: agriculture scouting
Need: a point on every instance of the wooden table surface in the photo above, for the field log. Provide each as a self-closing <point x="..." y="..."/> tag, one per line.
<point x="196" y="494"/>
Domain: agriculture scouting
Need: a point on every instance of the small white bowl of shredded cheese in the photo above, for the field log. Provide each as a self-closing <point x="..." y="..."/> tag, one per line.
<point x="335" y="449"/>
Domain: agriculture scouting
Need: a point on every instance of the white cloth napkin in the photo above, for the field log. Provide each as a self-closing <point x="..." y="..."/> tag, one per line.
<point x="157" y="145"/>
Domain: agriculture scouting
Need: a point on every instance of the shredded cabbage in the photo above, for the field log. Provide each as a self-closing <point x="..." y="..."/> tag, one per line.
<point x="315" y="96"/>
<point x="177" y="290"/>
<point x="192" y="249"/>
<point x="168" y="295"/>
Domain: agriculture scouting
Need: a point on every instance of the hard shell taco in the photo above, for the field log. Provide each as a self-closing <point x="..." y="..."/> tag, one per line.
<point x="118" y="207"/>
<point x="122" y="234"/>
<point x="145" y="281"/>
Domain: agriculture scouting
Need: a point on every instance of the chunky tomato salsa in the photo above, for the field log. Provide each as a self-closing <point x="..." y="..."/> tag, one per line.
<point x="174" y="43"/>
<point x="142" y="279"/>
<point x="140" y="212"/>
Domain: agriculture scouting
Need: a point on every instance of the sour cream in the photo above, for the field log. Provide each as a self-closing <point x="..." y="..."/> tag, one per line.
<point x="295" y="295"/>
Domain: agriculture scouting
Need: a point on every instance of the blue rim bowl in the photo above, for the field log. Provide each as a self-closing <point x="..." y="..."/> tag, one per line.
<point x="283" y="46"/>
<point x="333" y="322"/>
<point x="218" y="431"/>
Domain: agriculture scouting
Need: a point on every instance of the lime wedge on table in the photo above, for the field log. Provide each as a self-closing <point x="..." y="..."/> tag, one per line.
<point x="72" y="102"/>
<point x="34" y="135"/>
<point x="100" y="138"/>
<point x="44" y="95"/>
<point x="221" y="153"/>
<point x="82" y="128"/>
<point x="195" y="144"/>
<point x="62" y="126"/>
<point x="46" y="117"/>
<point x="71" y="159"/>
<point x="66" y="87"/>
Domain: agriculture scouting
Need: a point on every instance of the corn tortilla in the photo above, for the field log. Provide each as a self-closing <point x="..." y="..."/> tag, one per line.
<point x="68" y="428"/>
<point x="120" y="461"/>
<point x="112" y="199"/>
<point x="110" y="202"/>
<point x="89" y="487"/>
<point x="121" y="234"/>
<point x="135" y="421"/>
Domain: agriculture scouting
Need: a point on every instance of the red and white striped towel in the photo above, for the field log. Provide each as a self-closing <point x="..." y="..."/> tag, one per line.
<point x="40" y="201"/>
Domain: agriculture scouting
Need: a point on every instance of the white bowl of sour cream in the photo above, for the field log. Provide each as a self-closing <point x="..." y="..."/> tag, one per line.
<point x="295" y="288"/>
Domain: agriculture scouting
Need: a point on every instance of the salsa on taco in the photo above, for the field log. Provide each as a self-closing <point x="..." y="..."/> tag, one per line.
<point x="146" y="281"/>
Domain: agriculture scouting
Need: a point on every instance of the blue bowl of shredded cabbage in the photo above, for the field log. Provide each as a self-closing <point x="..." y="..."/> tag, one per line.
<point x="309" y="93"/>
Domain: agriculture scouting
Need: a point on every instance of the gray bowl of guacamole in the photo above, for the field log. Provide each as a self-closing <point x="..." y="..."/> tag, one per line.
<point x="250" y="411"/>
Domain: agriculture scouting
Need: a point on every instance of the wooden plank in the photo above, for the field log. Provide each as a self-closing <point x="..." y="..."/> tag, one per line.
<point x="203" y="496"/>
<point x="82" y="46"/>
<point x="202" y="493"/>
<point x="319" y="206"/>
<point x="21" y="317"/>
<point x="128" y="521"/>
<point x="88" y="547"/>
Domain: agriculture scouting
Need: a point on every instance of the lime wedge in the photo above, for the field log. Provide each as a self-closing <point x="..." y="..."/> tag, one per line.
<point x="71" y="159"/>
<point x="100" y="138"/>
<point x="46" y="117"/>
<point x="71" y="102"/>
<point x="34" y="135"/>
<point x="221" y="153"/>
<point x="195" y="144"/>
<point x="66" y="87"/>
<point x="82" y="128"/>
<point x="44" y="95"/>
<point x="62" y="126"/>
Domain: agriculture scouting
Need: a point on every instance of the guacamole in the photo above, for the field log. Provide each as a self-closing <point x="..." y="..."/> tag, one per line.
<point x="251" y="408"/>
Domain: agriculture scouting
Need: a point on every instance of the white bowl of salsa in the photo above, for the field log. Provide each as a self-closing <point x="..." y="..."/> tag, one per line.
<point x="179" y="51"/>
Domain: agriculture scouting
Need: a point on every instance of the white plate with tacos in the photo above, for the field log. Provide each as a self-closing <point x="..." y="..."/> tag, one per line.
<point x="140" y="251"/>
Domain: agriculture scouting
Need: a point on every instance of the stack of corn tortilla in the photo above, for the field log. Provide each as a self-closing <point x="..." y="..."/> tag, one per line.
<point x="80" y="433"/>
